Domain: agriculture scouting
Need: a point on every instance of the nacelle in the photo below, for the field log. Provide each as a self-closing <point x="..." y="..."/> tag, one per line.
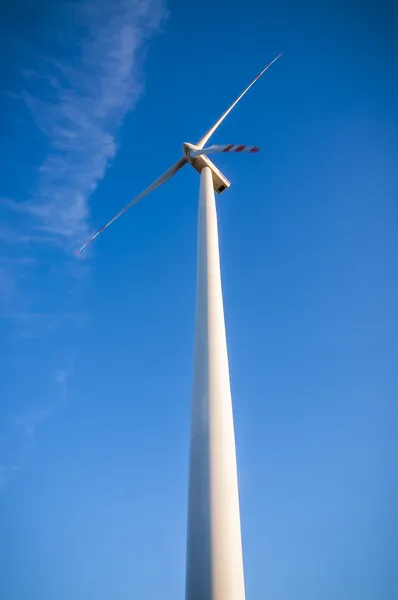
<point x="220" y="182"/>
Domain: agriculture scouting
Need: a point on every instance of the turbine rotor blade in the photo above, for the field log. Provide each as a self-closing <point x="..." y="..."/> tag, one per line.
<point x="226" y="148"/>
<point x="209" y="133"/>
<point x="162" y="179"/>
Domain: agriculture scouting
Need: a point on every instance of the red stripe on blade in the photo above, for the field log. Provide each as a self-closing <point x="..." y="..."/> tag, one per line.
<point x="240" y="148"/>
<point x="254" y="149"/>
<point x="228" y="148"/>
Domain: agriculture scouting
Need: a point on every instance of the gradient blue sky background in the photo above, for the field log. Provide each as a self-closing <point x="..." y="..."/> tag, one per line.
<point x="96" y="354"/>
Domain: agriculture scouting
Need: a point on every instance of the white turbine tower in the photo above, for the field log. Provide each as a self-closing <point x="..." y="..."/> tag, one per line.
<point x="214" y="567"/>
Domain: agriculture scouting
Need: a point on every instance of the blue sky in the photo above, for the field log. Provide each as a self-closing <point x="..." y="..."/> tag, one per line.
<point x="96" y="354"/>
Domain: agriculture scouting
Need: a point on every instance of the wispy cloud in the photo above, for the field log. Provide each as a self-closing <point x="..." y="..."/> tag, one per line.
<point x="78" y="101"/>
<point x="77" y="82"/>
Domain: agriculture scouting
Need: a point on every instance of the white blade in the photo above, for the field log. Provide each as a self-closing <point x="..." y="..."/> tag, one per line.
<point x="226" y="148"/>
<point x="162" y="179"/>
<point x="207" y="135"/>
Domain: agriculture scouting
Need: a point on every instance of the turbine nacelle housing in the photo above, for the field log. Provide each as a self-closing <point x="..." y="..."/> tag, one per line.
<point x="220" y="182"/>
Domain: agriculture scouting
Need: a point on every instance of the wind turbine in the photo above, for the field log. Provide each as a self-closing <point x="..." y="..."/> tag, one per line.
<point x="214" y="563"/>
